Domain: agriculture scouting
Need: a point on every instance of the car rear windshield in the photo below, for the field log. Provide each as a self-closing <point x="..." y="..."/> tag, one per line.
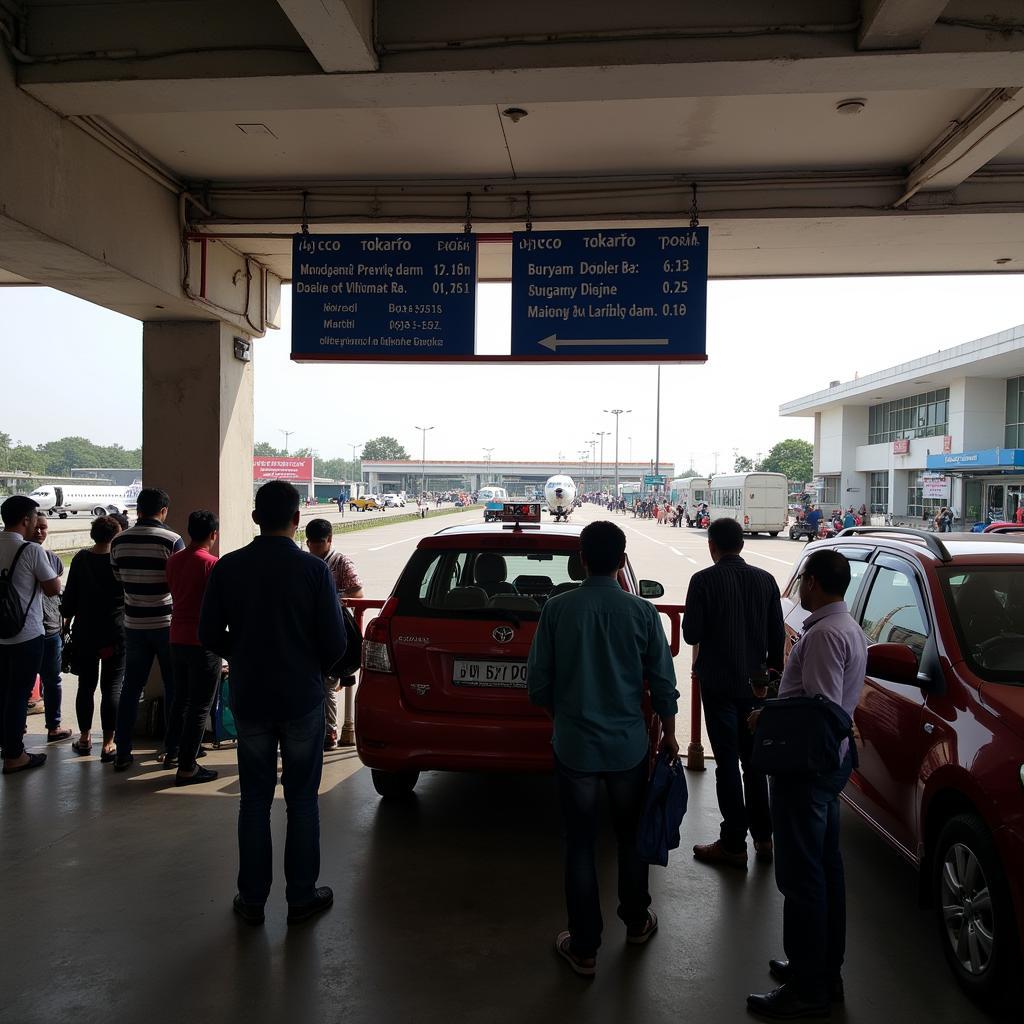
<point x="474" y="583"/>
<point x="987" y="607"/>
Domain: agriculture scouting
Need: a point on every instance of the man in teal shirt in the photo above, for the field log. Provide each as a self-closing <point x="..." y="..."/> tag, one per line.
<point x="594" y="648"/>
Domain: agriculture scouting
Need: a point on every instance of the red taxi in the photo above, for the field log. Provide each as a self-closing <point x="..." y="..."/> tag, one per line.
<point x="443" y="685"/>
<point x="940" y="728"/>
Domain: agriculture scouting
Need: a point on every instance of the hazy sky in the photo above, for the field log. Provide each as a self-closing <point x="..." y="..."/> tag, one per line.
<point x="78" y="371"/>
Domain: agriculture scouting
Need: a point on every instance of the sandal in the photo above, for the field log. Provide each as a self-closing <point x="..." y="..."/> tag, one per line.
<point x="34" y="761"/>
<point x="107" y="756"/>
<point x="56" y="737"/>
<point x="81" y="748"/>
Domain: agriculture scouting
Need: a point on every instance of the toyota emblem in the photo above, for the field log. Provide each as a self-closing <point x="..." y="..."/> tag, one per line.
<point x="503" y="634"/>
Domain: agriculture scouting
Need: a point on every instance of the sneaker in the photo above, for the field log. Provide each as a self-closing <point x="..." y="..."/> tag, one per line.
<point x="764" y="852"/>
<point x="585" y="966"/>
<point x="715" y="853"/>
<point x="250" y="913"/>
<point x="638" y="938"/>
<point x="201" y="775"/>
<point x="330" y="739"/>
<point x="322" y="899"/>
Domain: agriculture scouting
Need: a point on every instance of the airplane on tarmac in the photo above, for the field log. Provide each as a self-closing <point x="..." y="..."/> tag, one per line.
<point x="98" y="500"/>
<point x="560" y="495"/>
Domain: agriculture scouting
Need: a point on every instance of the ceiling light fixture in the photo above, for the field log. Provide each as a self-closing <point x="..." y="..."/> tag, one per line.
<point x="515" y="114"/>
<point x="255" y="128"/>
<point x="851" y="106"/>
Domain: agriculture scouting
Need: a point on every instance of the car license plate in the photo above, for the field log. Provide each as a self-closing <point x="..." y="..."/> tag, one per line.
<point x="509" y="675"/>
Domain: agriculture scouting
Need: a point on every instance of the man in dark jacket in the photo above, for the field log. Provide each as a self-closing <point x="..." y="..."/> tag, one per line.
<point x="272" y="611"/>
<point x="734" y="619"/>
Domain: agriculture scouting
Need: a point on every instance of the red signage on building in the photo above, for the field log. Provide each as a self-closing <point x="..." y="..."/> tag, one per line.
<point x="901" y="447"/>
<point x="282" y="469"/>
<point x="947" y="443"/>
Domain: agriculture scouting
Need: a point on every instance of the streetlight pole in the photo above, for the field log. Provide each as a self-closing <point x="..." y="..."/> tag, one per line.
<point x="602" y="434"/>
<point x="354" y="445"/>
<point x="617" y="413"/>
<point x="423" y="459"/>
<point x="488" y="451"/>
<point x="592" y="445"/>
<point x="582" y="452"/>
<point x="657" y="428"/>
<point x="287" y="434"/>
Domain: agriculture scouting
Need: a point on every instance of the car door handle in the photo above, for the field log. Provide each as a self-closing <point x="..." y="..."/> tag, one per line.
<point x="929" y="728"/>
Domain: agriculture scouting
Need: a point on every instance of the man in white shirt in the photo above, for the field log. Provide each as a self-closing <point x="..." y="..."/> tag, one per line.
<point x="27" y="571"/>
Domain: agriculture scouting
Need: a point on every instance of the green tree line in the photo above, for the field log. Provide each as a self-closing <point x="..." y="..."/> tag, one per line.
<point x="793" y="457"/>
<point x="58" y="458"/>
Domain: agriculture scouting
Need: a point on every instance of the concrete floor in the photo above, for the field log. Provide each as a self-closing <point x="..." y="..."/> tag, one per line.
<point x="116" y="906"/>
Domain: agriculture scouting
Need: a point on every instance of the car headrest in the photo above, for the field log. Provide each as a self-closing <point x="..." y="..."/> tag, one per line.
<point x="575" y="566"/>
<point x="513" y="603"/>
<point x="490" y="568"/>
<point x="466" y="597"/>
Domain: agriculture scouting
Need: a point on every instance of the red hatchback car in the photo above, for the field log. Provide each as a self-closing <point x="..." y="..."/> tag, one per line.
<point x="940" y="728"/>
<point x="443" y="685"/>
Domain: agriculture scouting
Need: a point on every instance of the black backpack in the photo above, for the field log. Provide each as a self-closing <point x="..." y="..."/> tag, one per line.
<point x="12" y="616"/>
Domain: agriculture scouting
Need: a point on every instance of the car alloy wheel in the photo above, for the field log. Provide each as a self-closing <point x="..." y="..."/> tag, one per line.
<point x="967" y="909"/>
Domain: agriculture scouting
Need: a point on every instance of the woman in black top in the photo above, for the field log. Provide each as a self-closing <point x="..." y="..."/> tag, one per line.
<point x="93" y="607"/>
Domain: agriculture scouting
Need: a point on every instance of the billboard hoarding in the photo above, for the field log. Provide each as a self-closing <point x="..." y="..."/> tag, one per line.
<point x="282" y="468"/>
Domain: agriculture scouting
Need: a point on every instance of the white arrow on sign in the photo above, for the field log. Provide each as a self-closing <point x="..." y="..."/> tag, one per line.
<point x="552" y="344"/>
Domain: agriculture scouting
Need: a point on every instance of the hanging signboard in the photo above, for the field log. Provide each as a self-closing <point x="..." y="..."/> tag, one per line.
<point x="378" y="298"/>
<point x="901" y="447"/>
<point x="282" y="468"/>
<point x="610" y="295"/>
<point x="935" y="487"/>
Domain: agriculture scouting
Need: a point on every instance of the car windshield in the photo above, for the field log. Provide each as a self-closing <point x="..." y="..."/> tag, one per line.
<point x="486" y="583"/>
<point x="987" y="606"/>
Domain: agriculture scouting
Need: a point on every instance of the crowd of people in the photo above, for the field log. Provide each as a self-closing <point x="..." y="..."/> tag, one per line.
<point x="273" y="614"/>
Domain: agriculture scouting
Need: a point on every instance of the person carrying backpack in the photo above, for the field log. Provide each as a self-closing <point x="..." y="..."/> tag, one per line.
<point x="25" y="576"/>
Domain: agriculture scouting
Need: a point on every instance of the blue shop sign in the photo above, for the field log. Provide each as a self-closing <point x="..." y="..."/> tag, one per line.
<point x="986" y="459"/>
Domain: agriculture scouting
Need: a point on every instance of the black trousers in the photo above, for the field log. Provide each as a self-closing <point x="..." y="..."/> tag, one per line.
<point x="108" y="673"/>
<point x="579" y="792"/>
<point x="743" y="801"/>
<point x="196" y="675"/>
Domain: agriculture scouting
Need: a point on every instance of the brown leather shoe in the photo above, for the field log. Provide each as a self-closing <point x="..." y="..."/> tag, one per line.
<point x="715" y="853"/>
<point x="764" y="851"/>
<point x="330" y="739"/>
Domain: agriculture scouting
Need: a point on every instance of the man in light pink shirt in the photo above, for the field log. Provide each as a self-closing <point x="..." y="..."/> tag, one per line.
<point x="829" y="659"/>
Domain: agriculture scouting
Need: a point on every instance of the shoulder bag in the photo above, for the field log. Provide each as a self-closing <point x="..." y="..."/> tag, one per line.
<point x="801" y="736"/>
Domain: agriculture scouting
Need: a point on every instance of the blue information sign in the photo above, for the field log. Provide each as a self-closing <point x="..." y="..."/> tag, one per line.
<point x="378" y="297"/>
<point x="610" y="295"/>
<point x="653" y="480"/>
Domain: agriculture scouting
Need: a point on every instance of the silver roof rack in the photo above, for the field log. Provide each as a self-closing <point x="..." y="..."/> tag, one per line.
<point x="931" y="542"/>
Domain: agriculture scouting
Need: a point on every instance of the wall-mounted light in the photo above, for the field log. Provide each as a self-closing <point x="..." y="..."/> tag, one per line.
<point x="515" y="114"/>
<point x="851" y="106"/>
<point x="243" y="350"/>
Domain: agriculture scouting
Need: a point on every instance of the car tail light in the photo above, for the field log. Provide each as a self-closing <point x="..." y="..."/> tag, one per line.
<point x="377" y="647"/>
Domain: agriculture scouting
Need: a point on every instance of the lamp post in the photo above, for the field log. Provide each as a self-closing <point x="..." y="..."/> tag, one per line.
<point x="423" y="459"/>
<point x="602" y="434"/>
<point x="354" y="445"/>
<point x="657" y="428"/>
<point x="617" y="413"/>
<point x="582" y="452"/>
<point x="592" y="445"/>
<point x="287" y="434"/>
<point x="487" y="452"/>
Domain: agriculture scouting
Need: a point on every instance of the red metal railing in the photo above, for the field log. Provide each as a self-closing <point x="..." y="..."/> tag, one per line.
<point x="674" y="614"/>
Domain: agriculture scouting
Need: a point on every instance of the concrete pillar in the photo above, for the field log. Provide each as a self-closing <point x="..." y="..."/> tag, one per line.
<point x="197" y="424"/>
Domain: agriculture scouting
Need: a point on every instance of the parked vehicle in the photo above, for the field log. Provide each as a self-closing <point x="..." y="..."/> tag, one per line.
<point x="443" y="686"/>
<point x="757" y="501"/>
<point x="393" y="501"/>
<point x="364" y="503"/>
<point x="493" y="499"/>
<point x="691" y="492"/>
<point x="940" y="728"/>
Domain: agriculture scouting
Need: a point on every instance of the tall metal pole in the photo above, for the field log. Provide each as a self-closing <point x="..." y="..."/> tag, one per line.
<point x="602" y="434"/>
<point x="617" y="413"/>
<point x="287" y="434"/>
<point x="423" y="459"/>
<point x="355" y="445"/>
<point x="657" y="429"/>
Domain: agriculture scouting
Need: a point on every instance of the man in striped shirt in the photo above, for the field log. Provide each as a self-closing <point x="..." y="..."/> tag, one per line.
<point x="139" y="560"/>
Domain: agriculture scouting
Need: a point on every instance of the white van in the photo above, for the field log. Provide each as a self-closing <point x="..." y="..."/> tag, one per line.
<point x="690" y="492"/>
<point x="757" y="501"/>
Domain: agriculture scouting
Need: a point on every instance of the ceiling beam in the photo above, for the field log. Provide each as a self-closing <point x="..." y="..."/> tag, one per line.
<point x="339" y="33"/>
<point x="997" y="122"/>
<point x="897" y="24"/>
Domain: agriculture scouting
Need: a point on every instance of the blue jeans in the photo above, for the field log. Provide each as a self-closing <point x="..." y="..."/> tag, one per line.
<point x="579" y="793"/>
<point x="49" y="673"/>
<point x="141" y="647"/>
<point x="809" y="874"/>
<point x="19" y="665"/>
<point x="302" y="758"/>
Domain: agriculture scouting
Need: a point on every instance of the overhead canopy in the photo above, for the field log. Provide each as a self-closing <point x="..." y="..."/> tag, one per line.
<point x="823" y="136"/>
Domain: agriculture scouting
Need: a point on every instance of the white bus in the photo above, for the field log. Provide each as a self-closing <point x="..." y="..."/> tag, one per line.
<point x="690" y="492"/>
<point x="757" y="501"/>
<point x="492" y="498"/>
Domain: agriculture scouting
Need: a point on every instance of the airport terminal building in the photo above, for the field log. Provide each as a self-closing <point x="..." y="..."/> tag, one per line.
<point x="945" y="429"/>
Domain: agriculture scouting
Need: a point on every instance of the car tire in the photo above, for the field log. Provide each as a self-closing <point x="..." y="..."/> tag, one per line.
<point x="393" y="785"/>
<point x="62" y="515"/>
<point x="773" y="533"/>
<point x="793" y="533"/>
<point x="966" y="865"/>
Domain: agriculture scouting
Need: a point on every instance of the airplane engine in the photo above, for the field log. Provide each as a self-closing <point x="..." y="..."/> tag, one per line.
<point x="560" y="495"/>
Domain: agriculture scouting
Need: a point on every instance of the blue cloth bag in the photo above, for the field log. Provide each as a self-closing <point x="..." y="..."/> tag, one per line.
<point x="663" y="811"/>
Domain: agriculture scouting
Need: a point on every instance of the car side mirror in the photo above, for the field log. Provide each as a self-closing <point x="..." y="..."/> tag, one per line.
<point x="896" y="663"/>
<point x="651" y="588"/>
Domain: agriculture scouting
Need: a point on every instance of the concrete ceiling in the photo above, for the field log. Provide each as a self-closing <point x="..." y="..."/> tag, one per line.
<point x="387" y="114"/>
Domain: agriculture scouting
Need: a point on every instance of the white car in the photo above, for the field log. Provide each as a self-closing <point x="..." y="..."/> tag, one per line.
<point x="393" y="501"/>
